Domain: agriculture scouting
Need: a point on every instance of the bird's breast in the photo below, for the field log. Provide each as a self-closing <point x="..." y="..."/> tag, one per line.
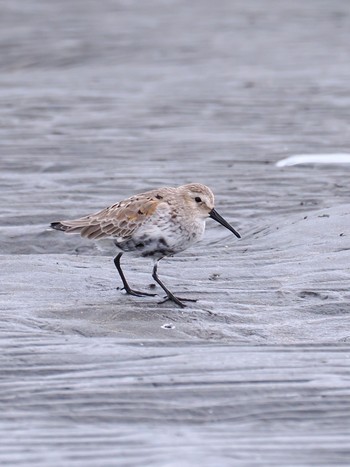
<point x="164" y="235"/>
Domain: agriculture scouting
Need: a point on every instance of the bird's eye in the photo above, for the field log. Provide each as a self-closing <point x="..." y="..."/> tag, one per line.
<point x="198" y="199"/>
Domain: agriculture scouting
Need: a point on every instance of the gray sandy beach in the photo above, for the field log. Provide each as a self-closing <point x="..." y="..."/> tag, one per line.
<point x="104" y="99"/>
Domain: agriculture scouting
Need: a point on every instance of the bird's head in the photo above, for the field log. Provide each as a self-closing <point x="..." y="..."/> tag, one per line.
<point x="200" y="199"/>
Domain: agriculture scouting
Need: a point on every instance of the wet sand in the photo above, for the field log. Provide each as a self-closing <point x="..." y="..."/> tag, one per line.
<point x="100" y="100"/>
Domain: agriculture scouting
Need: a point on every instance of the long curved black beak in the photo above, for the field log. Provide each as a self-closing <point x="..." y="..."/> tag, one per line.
<point x="216" y="216"/>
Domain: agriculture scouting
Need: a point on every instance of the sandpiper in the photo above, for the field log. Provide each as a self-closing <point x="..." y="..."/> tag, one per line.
<point x="155" y="224"/>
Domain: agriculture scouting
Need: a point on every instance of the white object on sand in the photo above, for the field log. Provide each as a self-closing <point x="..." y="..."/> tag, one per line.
<point x="340" y="158"/>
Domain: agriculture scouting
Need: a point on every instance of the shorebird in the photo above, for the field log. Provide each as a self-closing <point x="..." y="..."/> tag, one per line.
<point x="155" y="224"/>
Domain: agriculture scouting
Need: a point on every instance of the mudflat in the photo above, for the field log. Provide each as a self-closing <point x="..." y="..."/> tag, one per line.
<point x="102" y="100"/>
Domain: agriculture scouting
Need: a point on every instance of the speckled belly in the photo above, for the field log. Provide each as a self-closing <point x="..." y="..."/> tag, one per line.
<point x="162" y="238"/>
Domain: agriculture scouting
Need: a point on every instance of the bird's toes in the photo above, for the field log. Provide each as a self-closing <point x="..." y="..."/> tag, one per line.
<point x="146" y="294"/>
<point x="174" y="299"/>
<point x="181" y="299"/>
<point x="137" y="293"/>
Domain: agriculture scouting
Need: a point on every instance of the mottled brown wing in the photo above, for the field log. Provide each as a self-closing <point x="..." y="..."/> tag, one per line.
<point x="119" y="220"/>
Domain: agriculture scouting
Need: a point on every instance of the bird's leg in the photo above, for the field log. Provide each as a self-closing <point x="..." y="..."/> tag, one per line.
<point x="127" y="288"/>
<point x="170" y="296"/>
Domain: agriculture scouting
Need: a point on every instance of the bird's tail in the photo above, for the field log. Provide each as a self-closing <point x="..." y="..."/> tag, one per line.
<point x="82" y="226"/>
<point x="58" y="226"/>
<point x="75" y="226"/>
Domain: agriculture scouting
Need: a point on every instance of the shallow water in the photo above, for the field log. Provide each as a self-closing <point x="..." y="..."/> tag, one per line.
<point x="102" y="101"/>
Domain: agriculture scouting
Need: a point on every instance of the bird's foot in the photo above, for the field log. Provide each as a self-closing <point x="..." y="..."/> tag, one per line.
<point x="137" y="293"/>
<point x="177" y="300"/>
